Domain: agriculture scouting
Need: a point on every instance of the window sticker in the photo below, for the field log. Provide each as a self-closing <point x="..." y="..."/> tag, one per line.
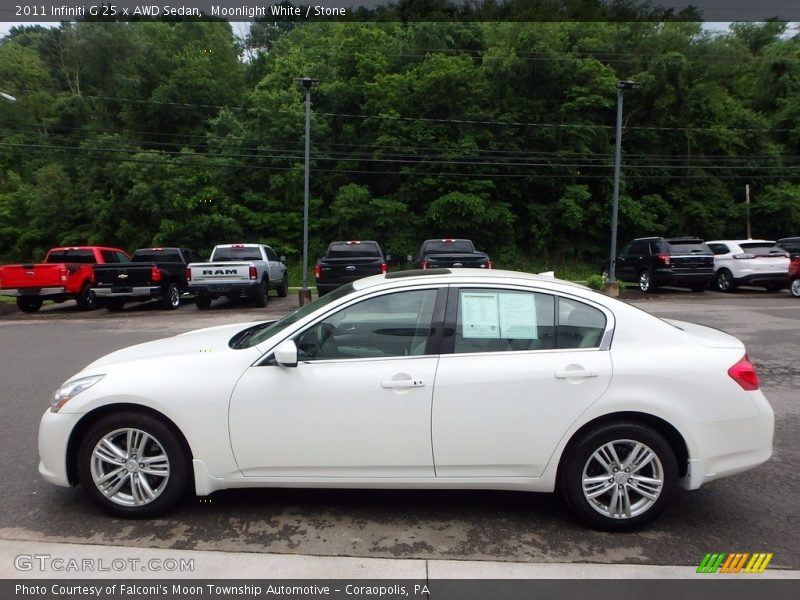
<point x="479" y="315"/>
<point x="518" y="317"/>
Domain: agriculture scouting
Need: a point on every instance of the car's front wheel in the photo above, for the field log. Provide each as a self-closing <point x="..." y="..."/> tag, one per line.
<point x="133" y="465"/>
<point x="619" y="476"/>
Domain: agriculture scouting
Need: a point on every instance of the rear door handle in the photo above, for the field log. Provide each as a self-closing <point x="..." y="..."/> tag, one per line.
<point x="402" y="384"/>
<point x="576" y="374"/>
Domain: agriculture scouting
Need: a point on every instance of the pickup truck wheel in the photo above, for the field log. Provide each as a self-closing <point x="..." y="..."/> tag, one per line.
<point x="171" y="297"/>
<point x="203" y="301"/>
<point x="86" y="299"/>
<point x="261" y="296"/>
<point x="29" y="305"/>
<point x="133" y="465"/>
<point x="283" y="290"/>
<point x="114" y="304"/>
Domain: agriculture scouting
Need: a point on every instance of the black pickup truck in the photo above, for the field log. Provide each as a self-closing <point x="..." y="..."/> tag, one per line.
<point x="347" y="261"/>
<point x="458" y="254"/>
<point x="152" y="273"/>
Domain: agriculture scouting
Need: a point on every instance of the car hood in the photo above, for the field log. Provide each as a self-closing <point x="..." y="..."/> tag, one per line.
<point x="211" y="339"/>
<point x="708" y="336"/>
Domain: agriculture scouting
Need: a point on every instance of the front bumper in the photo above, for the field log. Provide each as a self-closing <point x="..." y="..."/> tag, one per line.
<point x="54" y="433"/>
<point x="725" y="448"/>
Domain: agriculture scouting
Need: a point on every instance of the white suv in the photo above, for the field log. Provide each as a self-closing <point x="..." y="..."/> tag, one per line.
<point x="749" y="262"/>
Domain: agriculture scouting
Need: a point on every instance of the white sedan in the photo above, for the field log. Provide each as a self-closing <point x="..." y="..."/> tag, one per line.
<point x="423" y="379"/>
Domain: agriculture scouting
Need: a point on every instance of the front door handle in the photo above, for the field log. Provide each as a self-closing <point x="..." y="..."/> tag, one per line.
<point x="576" y="374"/>
<point x="402" y="384"/>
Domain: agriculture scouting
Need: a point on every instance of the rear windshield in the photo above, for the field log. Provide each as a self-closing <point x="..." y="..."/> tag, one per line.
<point x="233" y="254"/>
<point x="762" y="248"/>
<point x="71" y="256"/>
<point x="689" y="248"/>
<point x="156" y="255"/>
<point x="444" y="247"/>
<point x="360" y="250"/>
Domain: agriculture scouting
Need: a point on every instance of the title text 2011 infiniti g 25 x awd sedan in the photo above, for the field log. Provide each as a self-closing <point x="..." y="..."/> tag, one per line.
<point x="420" y="379"/>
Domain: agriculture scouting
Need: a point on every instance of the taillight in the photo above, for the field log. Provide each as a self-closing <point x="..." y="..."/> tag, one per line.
<point x="155" y="274"/>
<point x="744" y="255"/>
<point x="317" y="270"/>
<point x="188" y="273"/>
<point x="64" y="272"/>
<point x="744" y="373"/>
<point x="663" y="257"/>
<point x="253" y="273"/>
<point x="384" y="267"/>
<point x="489" y="264"/>
<point x="424" y="264"/>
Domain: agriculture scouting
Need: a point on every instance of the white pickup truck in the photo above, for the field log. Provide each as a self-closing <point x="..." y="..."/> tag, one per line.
<point x="236" y="271"/>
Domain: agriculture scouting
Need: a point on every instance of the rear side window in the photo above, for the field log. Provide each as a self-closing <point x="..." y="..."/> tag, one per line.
<point x="271" y="254"/>
<point x="121" y="257"/>
<point x="719" y="248"/>
<point x="71" y="256"/>
<point x="579" y="325"/>
<point x="353" y="250"/>
<point x="109" y="256"/>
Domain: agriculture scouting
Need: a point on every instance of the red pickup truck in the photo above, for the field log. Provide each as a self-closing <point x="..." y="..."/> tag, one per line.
<point x="66" y="274"/>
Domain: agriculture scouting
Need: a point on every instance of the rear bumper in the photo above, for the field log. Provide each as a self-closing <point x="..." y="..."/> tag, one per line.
<point x="216" y="289"/>
<point x="133" y="292"/>
<point x="670" y="277"/>
<point x="762" y="279"/>
<point x="728" y="447"/>
<point x="39" y="292"/>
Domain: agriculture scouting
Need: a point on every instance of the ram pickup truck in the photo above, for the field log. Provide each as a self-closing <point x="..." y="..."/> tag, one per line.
<point x="445" y="253"/>
<point x="347" y="261"/>
<point x="66" y="274"/>
<point x="236" y="271"/>
<point x="152" y="273"/>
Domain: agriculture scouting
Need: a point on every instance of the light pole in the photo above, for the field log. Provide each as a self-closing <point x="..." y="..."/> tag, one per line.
<point x="7" y="97"/>
<point x="305" y="293"/>
<point x="612" y="263"/>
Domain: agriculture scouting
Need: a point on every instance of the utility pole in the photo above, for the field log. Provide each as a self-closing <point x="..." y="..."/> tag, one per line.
<point x="305" y="293"/>
<point x="747" y="210"/>
<point x="612" y="259"/>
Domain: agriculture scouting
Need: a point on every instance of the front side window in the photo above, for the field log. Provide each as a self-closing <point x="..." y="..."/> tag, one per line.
<point x="398" y="324"/>
<point x="502" y="320"/>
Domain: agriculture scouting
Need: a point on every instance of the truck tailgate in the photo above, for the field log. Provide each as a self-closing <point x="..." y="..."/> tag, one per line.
<point x="127" y="275"/>
<point x="221" y="272"/>
<point x="345" y="270"/>
<point x="33" y="276"/>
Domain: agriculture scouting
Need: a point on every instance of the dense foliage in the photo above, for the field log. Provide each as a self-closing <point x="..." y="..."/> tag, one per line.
<point x="150" y="133"/>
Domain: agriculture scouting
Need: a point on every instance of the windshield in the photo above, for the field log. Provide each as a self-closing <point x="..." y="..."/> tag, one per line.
<point x="255" y="335"/>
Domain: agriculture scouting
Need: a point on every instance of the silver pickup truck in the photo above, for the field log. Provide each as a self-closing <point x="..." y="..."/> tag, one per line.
<point x="236" y="271"/>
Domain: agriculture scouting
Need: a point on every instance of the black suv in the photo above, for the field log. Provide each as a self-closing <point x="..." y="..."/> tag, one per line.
<point x="654" y="261"/>
<point x="791" y="245"/>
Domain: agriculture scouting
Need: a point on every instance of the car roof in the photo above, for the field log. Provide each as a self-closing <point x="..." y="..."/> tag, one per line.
<point x="740" y="241"/>
<point x="461" y="276"/>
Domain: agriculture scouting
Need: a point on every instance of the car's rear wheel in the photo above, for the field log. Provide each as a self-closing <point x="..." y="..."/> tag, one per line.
<point x="133" y="465"/>
<point x="619" y="476"/>
<point x="86" y="299"/>
<point x="794" y="287"/>
<point x="723" y="281"/>
<point x="29" y="305"/>
<point x="261" y="296"/>
<point x="646" y="281"/>
<point x="171" y="298"/>
<point x="203" y="301"/>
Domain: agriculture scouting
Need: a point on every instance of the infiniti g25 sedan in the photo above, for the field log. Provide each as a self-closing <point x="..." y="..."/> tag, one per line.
<point x="445" y="378"/>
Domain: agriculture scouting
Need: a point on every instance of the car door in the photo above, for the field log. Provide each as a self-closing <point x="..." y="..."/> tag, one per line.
<point x="358" y="404"/>
<point x="623" y="268"/>
<point x="523" y="367"/>
<point x="275" y="266"/>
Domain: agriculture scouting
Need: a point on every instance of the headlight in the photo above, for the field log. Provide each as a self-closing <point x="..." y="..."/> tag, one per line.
<point x="71" y="389"/>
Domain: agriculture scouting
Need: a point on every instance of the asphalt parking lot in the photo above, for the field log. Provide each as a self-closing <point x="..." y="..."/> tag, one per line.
<point x="754" y="512"/>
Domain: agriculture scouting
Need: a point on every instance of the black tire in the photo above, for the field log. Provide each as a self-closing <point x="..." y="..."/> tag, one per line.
<point x="114" y="304"/>
<point x="167" y="482"/>
<point x="29" y="305"/>
<point x="171" y="297"/>
<point x="283" y="289"/>
<point x="203" y="301"/>
<point x="646" y="285"/>
<point x="261" y="297"/>
<point x="794" y="287"/>
<point x="723" y="281"/>
<point x="86" y="299"/>
<point x="578" y="461"/>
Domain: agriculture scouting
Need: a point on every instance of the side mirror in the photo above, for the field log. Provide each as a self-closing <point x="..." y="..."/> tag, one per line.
<point x="286" y="354"/>
<point x="283" y="258"/>
<point x="409" y="258"/>
<point x="388" y="258"/>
